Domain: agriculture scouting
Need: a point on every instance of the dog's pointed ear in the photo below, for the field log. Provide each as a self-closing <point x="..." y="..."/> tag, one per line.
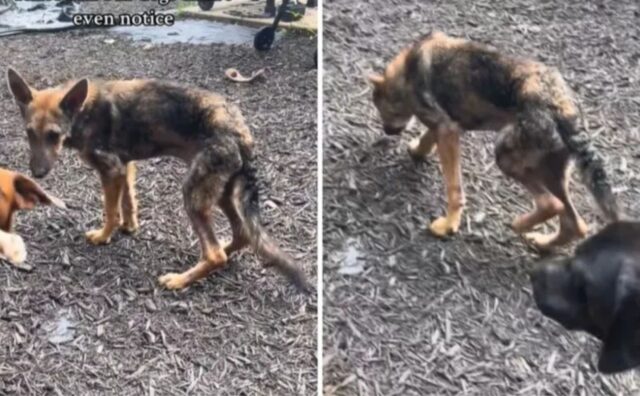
<point x="377" y="80"/>
<point x="28" y="194"/>
<point x="621" y="348"/>
<point x="19" y="88"/>
<point x="75" y="97"/>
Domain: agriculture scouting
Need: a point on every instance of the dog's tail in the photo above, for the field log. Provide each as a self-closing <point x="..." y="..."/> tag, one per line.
<point x="245" y="198"/>
<point x="590" y="164"/>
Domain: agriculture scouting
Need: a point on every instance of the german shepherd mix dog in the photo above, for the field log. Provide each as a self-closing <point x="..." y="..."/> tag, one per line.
<point x="598" y="291"/>
<point x="452" y="85"/>
<point x="114" y="123"/>
<point x="18" y="192"/>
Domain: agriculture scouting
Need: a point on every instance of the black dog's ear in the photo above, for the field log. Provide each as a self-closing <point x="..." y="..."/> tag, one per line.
<point x="621" y="349"/>
<point x="558" y="291"/>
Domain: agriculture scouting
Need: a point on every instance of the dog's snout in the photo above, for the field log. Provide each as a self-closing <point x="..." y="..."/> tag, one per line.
<point x="39" y="172"/>
<point x="391" y="130"/>
<point x="39" y="164"/>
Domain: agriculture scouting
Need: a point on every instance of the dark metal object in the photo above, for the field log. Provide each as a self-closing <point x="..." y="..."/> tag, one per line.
<point x="265" y="37"/>
<point x="206" y="5"/>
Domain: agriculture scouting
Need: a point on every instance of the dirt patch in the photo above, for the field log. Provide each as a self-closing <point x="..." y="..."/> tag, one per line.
<point x="92" y="320"/>
<point x="420" y="315"/>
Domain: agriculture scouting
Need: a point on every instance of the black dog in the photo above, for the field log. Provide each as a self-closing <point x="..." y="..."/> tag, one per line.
<point x="598" y="291"/>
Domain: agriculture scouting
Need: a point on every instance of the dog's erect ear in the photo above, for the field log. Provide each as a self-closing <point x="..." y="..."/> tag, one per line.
<point x="28" y="194"/>
<point x="377" y="80"/>
<point x="75" y="97"/>
<point x="621" y="348"/>
<point x="19" y="88"/>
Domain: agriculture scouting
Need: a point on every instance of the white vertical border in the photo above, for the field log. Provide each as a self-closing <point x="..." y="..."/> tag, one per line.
<point x="320" y="194"/>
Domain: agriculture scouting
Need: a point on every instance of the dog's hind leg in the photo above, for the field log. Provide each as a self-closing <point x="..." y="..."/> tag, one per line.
<point x="241" y="205"/>
<point x="516" y="161"/>
<point x="424" y="145"/>
<point x="129" y="203"/>
<point x="208" y="175"/>
<point x="230" y="206"/>
<point x="541" y="166"/>
<point x="555" y="170"/>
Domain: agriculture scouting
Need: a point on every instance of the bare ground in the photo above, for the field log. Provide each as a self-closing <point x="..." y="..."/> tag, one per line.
<point x="456" y="317"/>
<point x="92" y="320"/>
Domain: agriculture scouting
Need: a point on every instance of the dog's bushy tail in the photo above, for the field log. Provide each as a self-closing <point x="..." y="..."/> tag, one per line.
<point x="590" y="164"/>
<point x="246" y="197"/>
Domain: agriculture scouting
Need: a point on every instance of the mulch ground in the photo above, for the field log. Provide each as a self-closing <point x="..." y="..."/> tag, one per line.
<point x="93" y="320"/>
<point x="415" y="315"/>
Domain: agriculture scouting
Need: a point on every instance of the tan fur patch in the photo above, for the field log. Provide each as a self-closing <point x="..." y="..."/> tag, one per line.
<point x="47" y="99"/>
<point x="397" y="66"/>
<point x="45" y="106"/>
<point x="531" y="75"/>
<point x="125" y="87"/>
<point x="562" y="96"/>
<point x="439" y="40"/>
<point x="227" y="116"/>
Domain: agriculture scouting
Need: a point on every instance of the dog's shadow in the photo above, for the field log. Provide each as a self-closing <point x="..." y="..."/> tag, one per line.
<point x="385" y="200"/>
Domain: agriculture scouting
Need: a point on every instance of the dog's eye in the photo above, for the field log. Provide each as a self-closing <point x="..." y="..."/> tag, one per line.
<point x="53" y="137"/>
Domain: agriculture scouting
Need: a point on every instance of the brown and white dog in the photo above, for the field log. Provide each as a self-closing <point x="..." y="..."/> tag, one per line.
<point x="18" y="192"/>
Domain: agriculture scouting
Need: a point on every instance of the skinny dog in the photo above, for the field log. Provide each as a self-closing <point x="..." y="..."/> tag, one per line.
<point x="452" y="85"/>
<point x="18" y="192"/>
<point x="114" y="123"/>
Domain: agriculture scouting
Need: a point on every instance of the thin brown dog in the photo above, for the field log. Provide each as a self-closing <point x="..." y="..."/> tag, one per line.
<point x="114" y="123"/>
<point x="453" y="85"/>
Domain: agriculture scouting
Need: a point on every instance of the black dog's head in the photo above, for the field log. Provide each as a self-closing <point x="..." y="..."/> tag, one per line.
<point x="598" y="291"/>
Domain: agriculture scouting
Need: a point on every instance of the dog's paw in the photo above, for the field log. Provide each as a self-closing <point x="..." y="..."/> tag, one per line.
<point x="444" y="226"/>
<point x="130" y="227"/>
<point x="549" y="243"/>
<point x="416" y="153"/>
<point x="173" y="281"/>
<point x="98" y="237"/>
<point x="228" y="247"/>
<point x="544" y="243"/>
<point x="521" y="224"/>
<point x="12" y="248"/>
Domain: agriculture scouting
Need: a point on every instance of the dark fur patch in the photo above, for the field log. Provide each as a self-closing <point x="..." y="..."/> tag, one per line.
<point x="491" y="78"/>
<point x="172" y="105"/>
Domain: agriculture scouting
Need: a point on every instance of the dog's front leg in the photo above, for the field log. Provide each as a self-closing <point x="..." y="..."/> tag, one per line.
<point x="113" y="183"/>
<point x="129" y="202"/>
<point x="448" y="143"/>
